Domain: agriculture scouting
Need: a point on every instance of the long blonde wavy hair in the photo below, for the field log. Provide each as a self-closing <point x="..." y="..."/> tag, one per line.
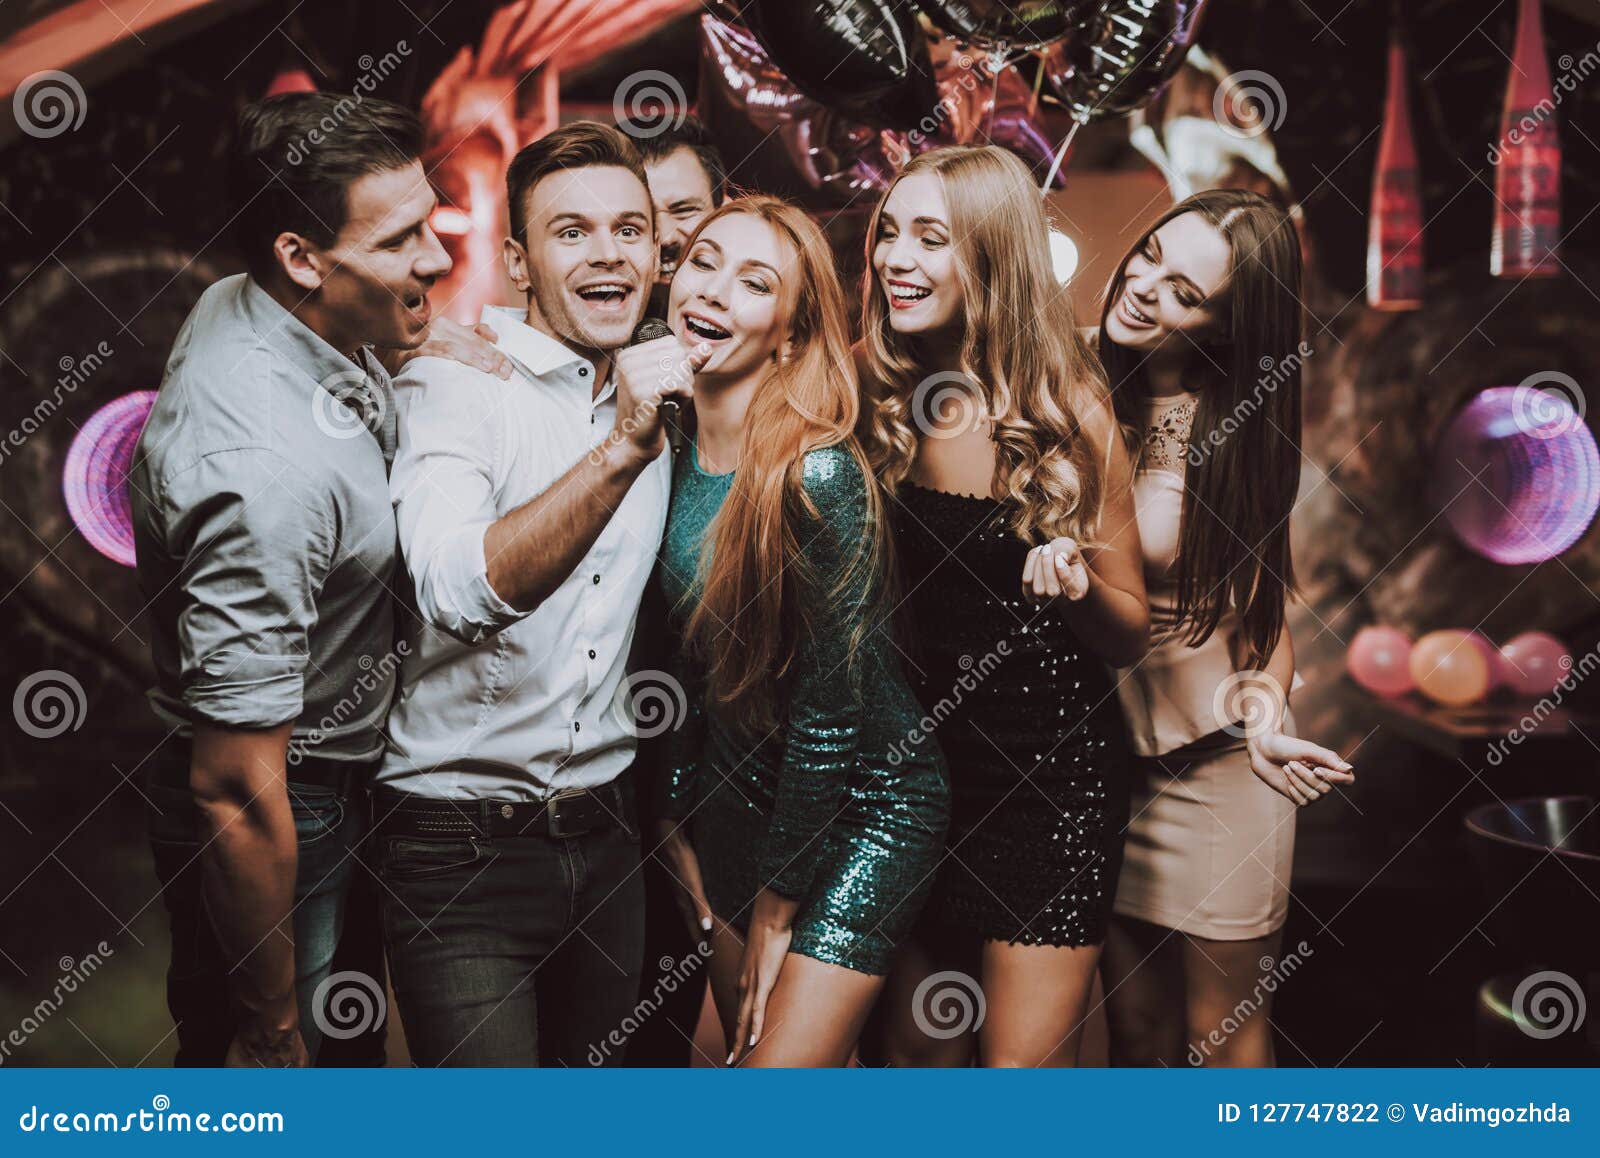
<point x="1020" y="348"/>
<point x="755" y="583"/>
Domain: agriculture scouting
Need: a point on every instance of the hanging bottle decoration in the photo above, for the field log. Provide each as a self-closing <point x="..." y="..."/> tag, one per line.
<point x="1394" y="229"/>
<point x="1527" y="160"/>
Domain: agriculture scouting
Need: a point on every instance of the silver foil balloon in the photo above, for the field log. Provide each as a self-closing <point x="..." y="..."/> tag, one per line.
<point x="784" y="142"/>
<point x="1013" y="24"/>
<point x="868" y="58"/>
<point x="1122" y="56"/>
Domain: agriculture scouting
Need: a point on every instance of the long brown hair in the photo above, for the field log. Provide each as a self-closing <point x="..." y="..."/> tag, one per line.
<point x="755" y="584"/>
<point x="1243" y="468"/>
<point x="1021" y="349"/>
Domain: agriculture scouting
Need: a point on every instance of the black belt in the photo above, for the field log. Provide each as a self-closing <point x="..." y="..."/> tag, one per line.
<point x="170" y="763"/>
<point x="571" y="813"/>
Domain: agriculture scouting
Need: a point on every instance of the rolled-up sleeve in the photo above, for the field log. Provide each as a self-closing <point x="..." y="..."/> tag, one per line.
<point x="443" y="486"/>
<point x="256" y="548"/>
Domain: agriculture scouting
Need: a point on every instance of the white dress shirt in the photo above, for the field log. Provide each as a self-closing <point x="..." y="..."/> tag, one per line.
<point x="495" y="703"/>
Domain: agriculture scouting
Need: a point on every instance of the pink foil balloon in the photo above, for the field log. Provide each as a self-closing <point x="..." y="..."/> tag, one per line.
<point x="1379" y="659"/>
<point x="1450" y="668"/>
<point x="1535" y="662"/>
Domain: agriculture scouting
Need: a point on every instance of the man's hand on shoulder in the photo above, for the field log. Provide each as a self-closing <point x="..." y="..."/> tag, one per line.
<point x="472" y="347"/>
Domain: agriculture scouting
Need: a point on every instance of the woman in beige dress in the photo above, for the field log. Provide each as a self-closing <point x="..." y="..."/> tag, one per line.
<point x="1200" y="338"/>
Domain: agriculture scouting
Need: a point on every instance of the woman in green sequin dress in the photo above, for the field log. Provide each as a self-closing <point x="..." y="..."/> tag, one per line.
<point x="815" y="808"/>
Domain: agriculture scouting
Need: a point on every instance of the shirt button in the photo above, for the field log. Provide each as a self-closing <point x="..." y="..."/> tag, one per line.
<point x="591" y="653"/>
<point x="583" y="371"/>
<point x="576" y="726"/>
<point x="597" y="580"/>
<point x="507" y="811"/>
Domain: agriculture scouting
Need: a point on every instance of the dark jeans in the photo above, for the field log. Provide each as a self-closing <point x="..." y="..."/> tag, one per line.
<point x="673" y="987"/>
<point x="513" y="950"/>
<point x="335" y="925"/>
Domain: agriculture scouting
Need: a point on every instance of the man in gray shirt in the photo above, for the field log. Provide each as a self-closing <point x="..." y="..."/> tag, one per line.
<point x="266" y="548"/>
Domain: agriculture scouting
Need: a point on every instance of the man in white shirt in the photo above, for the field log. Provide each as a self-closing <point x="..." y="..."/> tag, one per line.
<point x="530" y="512"/>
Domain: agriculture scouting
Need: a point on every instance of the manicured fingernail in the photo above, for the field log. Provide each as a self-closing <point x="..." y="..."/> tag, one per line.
<point x="1061" y="562"/>
<point x="705" y="923"/>
<point x="731" y="1052"/>
<point x="752" y="1039"/>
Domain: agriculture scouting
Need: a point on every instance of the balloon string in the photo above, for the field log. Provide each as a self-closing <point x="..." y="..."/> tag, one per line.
<point x="1061" y="156"/>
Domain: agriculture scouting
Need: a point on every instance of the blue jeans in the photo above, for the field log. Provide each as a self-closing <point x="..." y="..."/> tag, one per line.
<point x="328" y="829"/>
<point x="513" y="950"/>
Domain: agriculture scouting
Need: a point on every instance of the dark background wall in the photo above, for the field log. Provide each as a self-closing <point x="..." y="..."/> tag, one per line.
<point x="108" y="234"/>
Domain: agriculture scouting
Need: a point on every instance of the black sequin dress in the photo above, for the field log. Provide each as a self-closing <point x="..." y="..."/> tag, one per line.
<point x="1030" y="727"/>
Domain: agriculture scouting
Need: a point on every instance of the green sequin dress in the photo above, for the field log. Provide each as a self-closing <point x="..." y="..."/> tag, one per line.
<point x="844" y="807"/>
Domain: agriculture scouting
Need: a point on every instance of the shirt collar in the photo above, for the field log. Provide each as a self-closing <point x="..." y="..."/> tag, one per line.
<point x="280" y="331"/>
<point x="536" y="352"/>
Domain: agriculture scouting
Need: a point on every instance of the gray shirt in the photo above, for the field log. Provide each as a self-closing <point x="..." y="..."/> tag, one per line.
<point x="264" y="532"/>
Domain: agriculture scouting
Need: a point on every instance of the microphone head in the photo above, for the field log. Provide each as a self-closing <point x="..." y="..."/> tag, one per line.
<point x="649" y="330"/>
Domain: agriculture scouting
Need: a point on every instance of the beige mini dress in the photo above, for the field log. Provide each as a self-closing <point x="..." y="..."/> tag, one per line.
<point x="1209" y="846"/>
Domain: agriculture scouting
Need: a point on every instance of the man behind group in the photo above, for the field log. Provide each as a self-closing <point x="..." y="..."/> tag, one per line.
<point x="266" y="547"/>
<point x="687" y="181"/>
<point x="529" y="513"/>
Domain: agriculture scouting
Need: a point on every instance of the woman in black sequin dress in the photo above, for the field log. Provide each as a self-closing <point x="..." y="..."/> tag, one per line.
<point x="990" y="426"/>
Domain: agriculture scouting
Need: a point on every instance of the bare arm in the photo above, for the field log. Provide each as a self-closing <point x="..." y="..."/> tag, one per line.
<point x="1100" y="589"/>
<point x="531" y="551"/>
<point x="1290" y="766"/>
<point x="247" y="869"/>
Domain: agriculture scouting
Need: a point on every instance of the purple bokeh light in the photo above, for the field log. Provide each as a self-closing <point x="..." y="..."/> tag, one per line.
<point x="1518" y="473"/>
<point x="95" y="479"/>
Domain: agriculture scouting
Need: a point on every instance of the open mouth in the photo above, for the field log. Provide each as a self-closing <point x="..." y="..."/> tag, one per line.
<point x="669" y="266"/>
<point x="1132" y="314"/>
<point x="701" y="328"/>
<point x="903" y="295"/>
<point x="417" y="306"/>
<point x="606" y="295"/>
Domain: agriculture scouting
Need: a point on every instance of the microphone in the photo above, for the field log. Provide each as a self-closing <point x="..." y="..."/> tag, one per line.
<point x="648" y="331"/>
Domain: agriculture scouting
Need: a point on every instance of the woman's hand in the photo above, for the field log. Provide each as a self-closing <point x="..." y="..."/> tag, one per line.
<point x="1056" y="569"/>
<point x="764" y="951"/>
<point x="1296" y="768"/>
<point x="688" y="886"/>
